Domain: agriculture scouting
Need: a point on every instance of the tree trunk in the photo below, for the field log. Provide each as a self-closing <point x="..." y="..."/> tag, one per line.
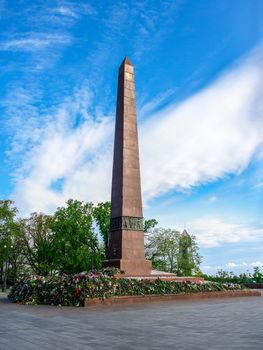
<point x="5" y="277"/>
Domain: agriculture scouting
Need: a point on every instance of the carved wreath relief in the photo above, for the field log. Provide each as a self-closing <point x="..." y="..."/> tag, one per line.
<point x="126" y="222"/>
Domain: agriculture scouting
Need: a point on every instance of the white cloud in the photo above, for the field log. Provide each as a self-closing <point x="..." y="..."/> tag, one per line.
<point x="73" y="10"/>
<point x="33" y="42"/>
<point x="149" y="107"/>
<point x="259" y="185"/>
<point x="214" y="133"/>
<point x="42" y="30"/>
<point x="236" y="267"/>
<point x="231" y="264"/>
<point x="212" y="199"/>
<point x="246" y="264"/>
<point x="213" y="232"/>
<point x="78" y="156"/>
<point x="66" y="11"/>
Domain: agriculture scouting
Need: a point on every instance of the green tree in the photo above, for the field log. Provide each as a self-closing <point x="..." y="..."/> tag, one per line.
<point x="149" y="224"/>
<point x="8" y="229"/>
<point x="17" y="262"/>
<point x="162" y="247"/>
<point x="36" y="239"/>
<point x="257" y="275"/>
<point x="7" y="219"/>
<point x="170" y="251"/>
<point x="75" y="244"/>
<point x="189" y="259"/>
<point x="101" y="214"/>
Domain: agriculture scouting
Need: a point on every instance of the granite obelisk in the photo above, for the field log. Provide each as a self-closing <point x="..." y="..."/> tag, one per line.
<point x="126" y="240"/>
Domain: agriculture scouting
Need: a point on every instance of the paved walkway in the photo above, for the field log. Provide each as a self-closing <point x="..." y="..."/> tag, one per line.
<point x="207" y="324"/>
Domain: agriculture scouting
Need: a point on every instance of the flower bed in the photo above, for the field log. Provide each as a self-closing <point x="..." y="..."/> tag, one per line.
<point x="72" y="290"/>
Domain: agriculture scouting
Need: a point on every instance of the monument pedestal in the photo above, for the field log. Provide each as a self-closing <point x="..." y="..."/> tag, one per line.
<point x="131" y="267"/>
<point x="126" y="248"/>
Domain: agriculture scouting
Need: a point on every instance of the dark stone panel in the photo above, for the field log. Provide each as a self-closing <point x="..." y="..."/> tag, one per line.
<point x="126" y="223"/>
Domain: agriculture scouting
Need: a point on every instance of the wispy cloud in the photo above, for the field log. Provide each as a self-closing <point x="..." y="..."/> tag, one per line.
<point x="236" y="267"/>
<point x="43" y="30"/>
<point x="150" y="107"/>
<point x="258" y="185"/>
<point x="72" y="148"/>
<point x="66" y="11"/>
<point x="213" y="232"/>
<point x="153" y="24"/>
<point x="140" y="25"/>
<point x="34" y="42"/>
<point x="212" y="134"/>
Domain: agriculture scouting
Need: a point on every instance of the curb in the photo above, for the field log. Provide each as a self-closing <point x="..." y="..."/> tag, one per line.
<point x="254" y="285"/>
<point x="126" y="300"/>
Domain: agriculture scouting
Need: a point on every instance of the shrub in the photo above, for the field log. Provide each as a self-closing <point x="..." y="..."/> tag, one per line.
<point x="74" y="289"/>
<point x="243" y="278"/>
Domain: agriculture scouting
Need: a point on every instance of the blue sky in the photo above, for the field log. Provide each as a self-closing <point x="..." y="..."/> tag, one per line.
<point x="199" y="81"/>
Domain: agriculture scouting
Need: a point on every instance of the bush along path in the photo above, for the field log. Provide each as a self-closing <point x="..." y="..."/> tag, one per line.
<point x="72" y="290"/>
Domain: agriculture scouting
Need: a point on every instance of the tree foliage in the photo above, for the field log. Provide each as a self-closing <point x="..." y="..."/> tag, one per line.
<point x="7" y="220"/>
<point x="230" y="277"/>
<point x="46" y="245"/>
<point x="75" y="245"/>
<point x="189" y="259"/>
<point x="8" y="239"/>
<point x="101" y="214"/>
<point x="36" y="238"/>
<point x="68" y="242"/>
<point x="172" y="252"/>
<point x="149" y="224"/>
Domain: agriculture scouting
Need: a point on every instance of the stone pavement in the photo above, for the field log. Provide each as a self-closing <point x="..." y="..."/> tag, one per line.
<point x="235" y="323"/>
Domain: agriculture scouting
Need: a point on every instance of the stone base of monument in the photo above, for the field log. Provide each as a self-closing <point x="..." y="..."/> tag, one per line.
<point x="164" y="276"/>
<point x="135" y="299"/>
<point x="142" y="270"/>
<point x="137" y="266"/>
<point x="155" y="274"/>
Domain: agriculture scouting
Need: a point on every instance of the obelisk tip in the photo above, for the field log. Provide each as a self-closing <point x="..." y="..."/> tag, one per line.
<point x="126" y="61"/>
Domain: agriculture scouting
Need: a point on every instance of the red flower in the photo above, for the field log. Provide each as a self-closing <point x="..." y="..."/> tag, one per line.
<point x="77" y="292"/>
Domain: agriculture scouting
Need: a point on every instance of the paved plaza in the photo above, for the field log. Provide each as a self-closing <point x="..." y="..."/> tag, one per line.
<point x="235" y="323"/>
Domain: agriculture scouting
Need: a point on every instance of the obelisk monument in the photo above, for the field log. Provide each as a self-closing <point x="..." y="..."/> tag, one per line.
<point x="126" y="240"/>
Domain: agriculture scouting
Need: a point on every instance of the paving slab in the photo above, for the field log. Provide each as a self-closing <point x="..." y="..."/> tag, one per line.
<point x="234" y="323"/>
